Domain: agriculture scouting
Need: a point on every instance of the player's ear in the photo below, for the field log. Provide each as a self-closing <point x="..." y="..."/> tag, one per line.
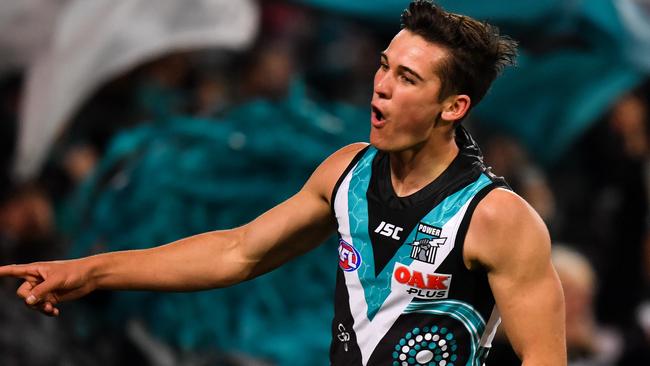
<point x="455" y="107"/>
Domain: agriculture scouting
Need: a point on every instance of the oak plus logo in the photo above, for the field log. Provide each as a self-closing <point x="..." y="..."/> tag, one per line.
<point x="426" y="243"/>
<point x="389" y="230"/>
<point x="349" y="257"/>
<point x="431" y="286"/>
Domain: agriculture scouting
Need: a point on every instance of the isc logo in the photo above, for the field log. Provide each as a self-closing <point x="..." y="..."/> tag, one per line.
<point x="389" y="230"/>
<point x="349" y="257"/>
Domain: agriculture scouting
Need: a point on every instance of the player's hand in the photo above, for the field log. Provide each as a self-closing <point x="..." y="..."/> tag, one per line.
<point x="49" y="283"/>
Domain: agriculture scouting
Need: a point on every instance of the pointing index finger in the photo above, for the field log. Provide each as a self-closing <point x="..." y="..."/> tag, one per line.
<point x="17" y="270"/>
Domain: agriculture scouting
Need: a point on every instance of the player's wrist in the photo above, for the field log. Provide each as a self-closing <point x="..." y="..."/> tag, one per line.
<point x="95" y="269"/>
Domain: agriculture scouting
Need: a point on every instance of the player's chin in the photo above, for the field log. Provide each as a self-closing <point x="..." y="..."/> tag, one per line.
<point x="385" y="147"/>
<point x="383" y="141"/>
<point x="378" y="140"/>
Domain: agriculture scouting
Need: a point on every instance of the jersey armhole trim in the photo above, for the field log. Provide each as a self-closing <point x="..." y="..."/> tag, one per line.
<point x="353" y="162"/>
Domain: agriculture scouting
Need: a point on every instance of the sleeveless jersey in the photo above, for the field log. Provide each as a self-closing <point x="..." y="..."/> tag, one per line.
<point x="403" y="294"/>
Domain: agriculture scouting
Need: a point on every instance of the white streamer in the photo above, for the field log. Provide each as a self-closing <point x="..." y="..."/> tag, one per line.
<point x="95" y="40"/>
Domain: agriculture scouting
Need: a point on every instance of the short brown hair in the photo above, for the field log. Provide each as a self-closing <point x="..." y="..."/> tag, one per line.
<point x="478" y="53"/>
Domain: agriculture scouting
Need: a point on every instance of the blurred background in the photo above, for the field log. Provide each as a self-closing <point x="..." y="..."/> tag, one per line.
<point x="132" y="123"/>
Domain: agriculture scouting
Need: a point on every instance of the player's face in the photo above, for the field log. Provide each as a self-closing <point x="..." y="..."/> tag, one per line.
<point x="405" y="102"/>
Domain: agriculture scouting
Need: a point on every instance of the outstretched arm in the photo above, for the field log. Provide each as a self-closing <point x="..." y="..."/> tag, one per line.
<point x="509" y="239"/>
<point x="208" y="260"/>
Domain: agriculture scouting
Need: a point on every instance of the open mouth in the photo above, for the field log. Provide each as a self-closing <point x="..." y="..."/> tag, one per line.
<point x="378" y="115"/>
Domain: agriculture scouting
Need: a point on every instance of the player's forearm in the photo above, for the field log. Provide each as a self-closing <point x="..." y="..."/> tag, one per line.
<point x="550" y="350"/>
<point x="199" y="262"/>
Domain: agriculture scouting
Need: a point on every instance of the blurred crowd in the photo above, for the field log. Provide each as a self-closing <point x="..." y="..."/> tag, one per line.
<point x="595" y="203"/>
<point x="594" y="199"/>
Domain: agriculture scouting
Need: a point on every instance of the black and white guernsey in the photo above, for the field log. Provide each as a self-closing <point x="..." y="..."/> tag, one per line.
<point x="403" y="294"/>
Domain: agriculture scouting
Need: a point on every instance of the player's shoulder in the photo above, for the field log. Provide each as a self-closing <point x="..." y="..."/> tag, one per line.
<point x="336" y="163"/>
<point x="328" y="172"/>
<point x="502" y="207"/>
<point x="346" y="153"/>
<point x="502" y="210"/>
<point x="504" y="223"/>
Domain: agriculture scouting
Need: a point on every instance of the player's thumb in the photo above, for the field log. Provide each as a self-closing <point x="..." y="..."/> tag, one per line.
<point x="40" y="291"/>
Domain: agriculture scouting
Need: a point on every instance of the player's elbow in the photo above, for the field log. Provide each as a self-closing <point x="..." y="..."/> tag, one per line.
<point x="231" y="265"/>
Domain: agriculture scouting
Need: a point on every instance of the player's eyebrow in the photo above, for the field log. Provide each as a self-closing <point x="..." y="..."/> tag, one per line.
<point x="402" y="68"/>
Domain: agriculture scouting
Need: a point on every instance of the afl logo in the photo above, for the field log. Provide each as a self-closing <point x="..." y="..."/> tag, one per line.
<point x="349" y="257"/>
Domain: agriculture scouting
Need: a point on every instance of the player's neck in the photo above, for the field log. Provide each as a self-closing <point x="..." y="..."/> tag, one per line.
<point x="413" y="169"/>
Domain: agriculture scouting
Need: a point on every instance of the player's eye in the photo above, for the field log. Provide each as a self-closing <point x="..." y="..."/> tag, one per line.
<point x="407" y="79"/>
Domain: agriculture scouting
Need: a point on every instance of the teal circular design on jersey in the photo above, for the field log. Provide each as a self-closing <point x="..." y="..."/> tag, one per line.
<point x="395" y="363"/>
<point x="427" y="346"/>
